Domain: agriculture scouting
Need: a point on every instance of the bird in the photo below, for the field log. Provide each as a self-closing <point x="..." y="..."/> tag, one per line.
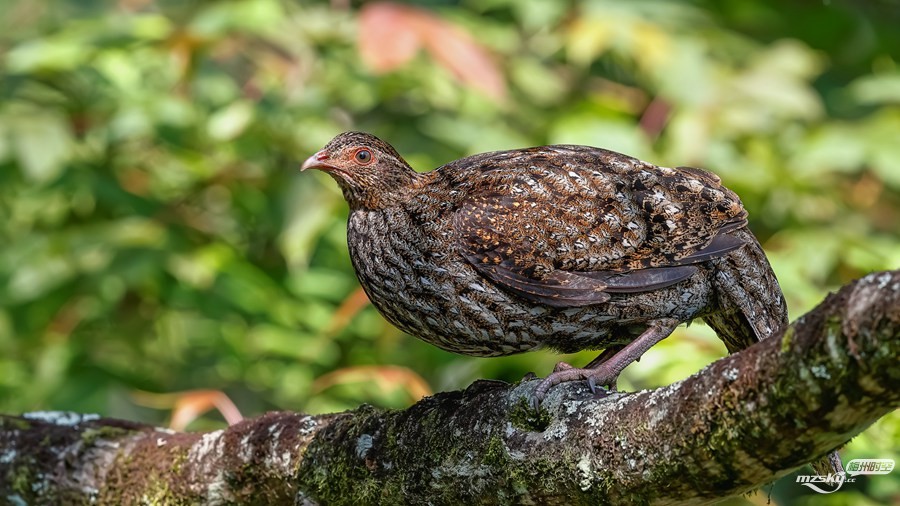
<point x="564" y="247"/>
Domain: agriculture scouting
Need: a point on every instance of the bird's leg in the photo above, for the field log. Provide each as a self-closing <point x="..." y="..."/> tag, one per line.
<point x="605" y="355"/>
<point x="602" y="358"/>
<point x="604" y="369"/>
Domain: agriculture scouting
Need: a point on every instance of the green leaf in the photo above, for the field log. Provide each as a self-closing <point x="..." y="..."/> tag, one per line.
<point x="43" y="143"/>
<point x="538" y="81"/>
<point x="253" y="15"/>
<point x="876" y="89"/>
<point x="47" y="54"/>
<point x="229" y="122"/>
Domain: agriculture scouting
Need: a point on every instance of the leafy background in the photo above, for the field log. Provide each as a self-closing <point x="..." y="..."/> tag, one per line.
<point x="161" y="255"/>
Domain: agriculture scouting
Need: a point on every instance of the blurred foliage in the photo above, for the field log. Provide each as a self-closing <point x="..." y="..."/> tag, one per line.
<point x="155" y="235"/>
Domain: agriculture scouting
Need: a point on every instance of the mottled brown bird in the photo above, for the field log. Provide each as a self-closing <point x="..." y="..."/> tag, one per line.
<point x="566" y="247"/>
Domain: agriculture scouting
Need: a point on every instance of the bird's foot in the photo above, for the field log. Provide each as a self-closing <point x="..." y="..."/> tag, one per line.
<point x="611" y="386"/>
<point x="562" y="366"/>
<point x="604" y="369"/>
<point x="598" y="376"/>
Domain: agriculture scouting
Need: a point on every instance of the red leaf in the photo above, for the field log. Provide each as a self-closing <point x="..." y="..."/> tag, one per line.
<point x="388" y="36"/>
<point x="466" y="59"/>
<point x="349" y="308"/>
<point x="386" y="377"/>
<point x="189" y="405"/>
<point x="391" y="34"/>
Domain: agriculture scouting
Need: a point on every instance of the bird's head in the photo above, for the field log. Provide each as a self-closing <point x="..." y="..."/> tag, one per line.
<point x="369" y="171"/>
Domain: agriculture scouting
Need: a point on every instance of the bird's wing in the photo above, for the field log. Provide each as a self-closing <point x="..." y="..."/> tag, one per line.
<point x="568" y="230"/>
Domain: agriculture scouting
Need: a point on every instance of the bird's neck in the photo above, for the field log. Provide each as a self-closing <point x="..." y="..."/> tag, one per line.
<point x="387" y="192"/>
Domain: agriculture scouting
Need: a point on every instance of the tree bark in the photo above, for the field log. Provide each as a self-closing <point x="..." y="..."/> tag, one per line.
<point x="742" y="422"/>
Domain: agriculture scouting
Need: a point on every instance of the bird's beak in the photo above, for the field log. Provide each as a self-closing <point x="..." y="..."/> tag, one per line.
<point x="317" y="161"/>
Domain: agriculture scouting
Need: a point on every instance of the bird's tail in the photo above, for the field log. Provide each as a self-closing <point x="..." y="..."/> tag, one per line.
<point x="753" y="309"/>
<point x="752" y="305"/>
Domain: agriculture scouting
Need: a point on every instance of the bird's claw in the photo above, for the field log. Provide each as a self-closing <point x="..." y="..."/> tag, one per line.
<point x="610" y="387"/>
<point x="598" y="376"/>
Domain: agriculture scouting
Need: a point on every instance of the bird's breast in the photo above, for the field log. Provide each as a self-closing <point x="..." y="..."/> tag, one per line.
<point x="417" y="282"/>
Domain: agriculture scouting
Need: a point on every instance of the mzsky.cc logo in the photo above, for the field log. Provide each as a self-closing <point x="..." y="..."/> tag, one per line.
<point x="854" y="468"/>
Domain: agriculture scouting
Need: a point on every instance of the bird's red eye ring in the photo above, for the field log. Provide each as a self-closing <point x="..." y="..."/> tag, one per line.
<point x="363" y="156"/>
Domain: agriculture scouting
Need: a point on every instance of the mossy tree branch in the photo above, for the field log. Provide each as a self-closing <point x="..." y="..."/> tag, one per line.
<point x="740" y="423"/>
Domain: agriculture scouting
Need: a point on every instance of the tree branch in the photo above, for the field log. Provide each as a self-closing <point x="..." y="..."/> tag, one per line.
<point x="740" y="423"/>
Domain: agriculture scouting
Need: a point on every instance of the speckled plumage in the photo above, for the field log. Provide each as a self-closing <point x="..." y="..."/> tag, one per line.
<point x="568" y="247"/>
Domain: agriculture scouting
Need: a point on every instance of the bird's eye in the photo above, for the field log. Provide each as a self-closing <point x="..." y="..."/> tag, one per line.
<point x="363" y="156"/>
